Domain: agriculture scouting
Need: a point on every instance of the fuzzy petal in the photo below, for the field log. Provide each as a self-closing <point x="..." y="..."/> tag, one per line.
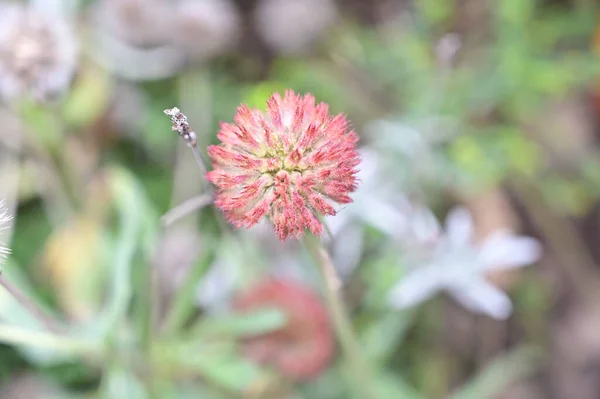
<point x="415" y="288"/>
<point x="424" y="225"/>
<point x="483" y="297"/>
<point x="215" y="289"/>
<point x="381" y="215"/>
<point x="459" y="227"/>
<point x="347" y="250"/>
<point x="503" y="250"/>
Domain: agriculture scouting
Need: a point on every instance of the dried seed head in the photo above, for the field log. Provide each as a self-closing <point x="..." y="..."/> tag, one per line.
<point x="5" y="218"/>
<point x="154" y="39"/>
<point x="38" y="53"/>
<point x="181" y="126"/>
<point x="141" y="23"/>
<point x="293" y="26"/>
<point x="290" y="164"/>
<point x="216" y="22"/>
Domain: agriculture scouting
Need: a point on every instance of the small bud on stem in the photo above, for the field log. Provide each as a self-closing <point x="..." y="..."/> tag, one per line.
<point x="181" y="126"/>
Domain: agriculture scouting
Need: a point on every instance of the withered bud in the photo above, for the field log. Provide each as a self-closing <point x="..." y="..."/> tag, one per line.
<point x="181" y="126"/>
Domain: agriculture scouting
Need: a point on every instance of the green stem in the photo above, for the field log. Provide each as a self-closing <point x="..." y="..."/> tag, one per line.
<point x="182" y="305"/>
<point x="47" y="321"/>
<point x="341" y="321"/>
<point x="186" y="208"/>
<point x="147" y="305"/>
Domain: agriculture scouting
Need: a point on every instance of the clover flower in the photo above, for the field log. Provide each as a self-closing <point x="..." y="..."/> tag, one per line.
<point x="38" y="54"/>
<point x="458" y="266"/>
<point x="5" y="218"/>
<point x="290" y="164"/>
<point x="301" y="349"/>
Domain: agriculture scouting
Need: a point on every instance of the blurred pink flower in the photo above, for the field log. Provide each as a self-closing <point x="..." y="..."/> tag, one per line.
<point x="290" y="164"/>
<point x="304" y="347"/>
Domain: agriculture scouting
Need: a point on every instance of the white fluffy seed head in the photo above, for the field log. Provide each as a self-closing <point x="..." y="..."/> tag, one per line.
<point x="292" y="26"/>
<point x="5" y="219"/>
<point x="38" y="52"/>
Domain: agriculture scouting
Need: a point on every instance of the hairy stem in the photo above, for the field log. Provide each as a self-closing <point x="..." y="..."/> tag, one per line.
<point x="186" y="208"/>
<point x="341" y="321"/>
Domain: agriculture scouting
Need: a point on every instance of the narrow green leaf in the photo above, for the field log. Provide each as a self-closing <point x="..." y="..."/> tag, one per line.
<point x="120" y="383"/>
<point x="227" y="371"/>
<point x="239" y="325"/>
<point x="183" y="304"/>
<point x="132" y="209"/>
<point x="394" y="387"/>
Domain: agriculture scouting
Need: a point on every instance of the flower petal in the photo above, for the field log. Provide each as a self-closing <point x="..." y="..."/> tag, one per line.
<point x="214" y="290"/>
<point x="424" y="225"/>
<point x="459" y="227"/>
<point x="381" y="215"/>
<point x="335" y="224"/>
<point x="347" y="250"/>
<point x="415" y="288"/>
<point x="503" y="250"/>
<point x="369" y="166"/>
<point x="482" y="297"/>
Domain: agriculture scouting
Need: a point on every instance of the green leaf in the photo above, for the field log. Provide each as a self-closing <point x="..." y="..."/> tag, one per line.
<point x="523" y="155"/>
<point x="240" y="325"/>
<point x="257" y="95"/>
<point x="183" y="306"/>
<point x="227" y="371"/>
<point x="133" y="210"/>
<point x="44" y="124"/>
<point x="436" y="11"/>
<point x="499" y="374"/>
<point x="394" y="387"/>
<point x="89" y="97"/>
<point x="382" y="335"/>
<point x="517" y="12"/>
<point x="22" y="328"/>
<point x="120" y="383"/>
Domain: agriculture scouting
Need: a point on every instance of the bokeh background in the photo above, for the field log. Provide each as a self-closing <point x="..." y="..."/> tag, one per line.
<point x="488" y="105"/>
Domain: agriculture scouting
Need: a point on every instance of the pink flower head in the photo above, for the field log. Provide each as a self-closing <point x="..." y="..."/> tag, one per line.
<point x="301" y="349"/>
<point x="290" y="164"/>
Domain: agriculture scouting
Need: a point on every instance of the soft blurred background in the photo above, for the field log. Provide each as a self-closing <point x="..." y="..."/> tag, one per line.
<point x="475" y="116"/>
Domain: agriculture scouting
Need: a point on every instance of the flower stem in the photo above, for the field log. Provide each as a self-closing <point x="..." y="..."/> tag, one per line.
<point x="186" y="208"/>
<point x="51" y="324"/>
<point x="342" y="324"/>
<point x="200" y="161"/>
